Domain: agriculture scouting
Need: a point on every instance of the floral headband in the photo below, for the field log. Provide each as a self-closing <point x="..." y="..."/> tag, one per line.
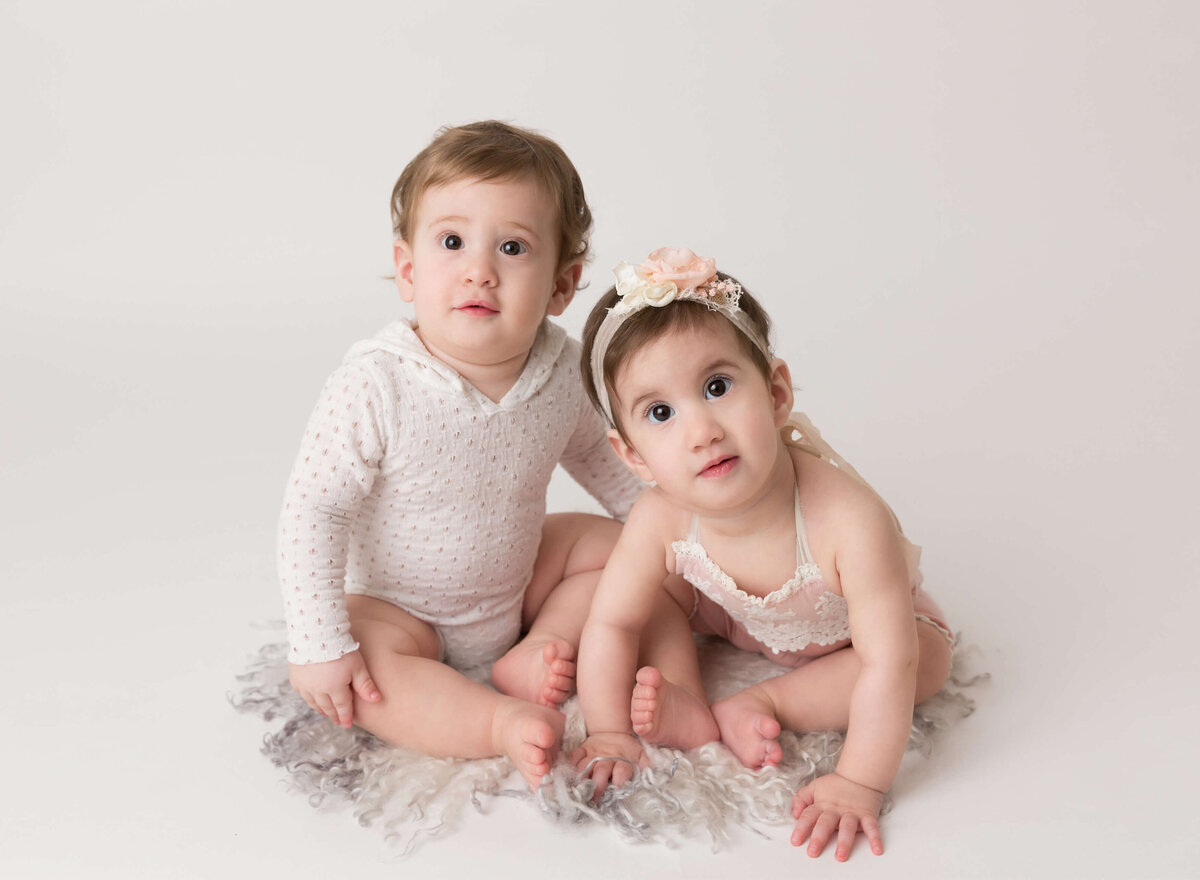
<point x="665" y="276"/>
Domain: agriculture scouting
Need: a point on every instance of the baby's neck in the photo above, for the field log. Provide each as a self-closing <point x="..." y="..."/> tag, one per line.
<point x="491" y="380"/>
<point x="774" y="505"/>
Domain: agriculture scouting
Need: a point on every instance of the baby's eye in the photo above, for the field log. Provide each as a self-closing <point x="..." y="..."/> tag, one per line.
<point x="659" y="413"/>
<point x="451" y="242"/>
<point x="512" y="248"/>
<point x="717" y="386"/>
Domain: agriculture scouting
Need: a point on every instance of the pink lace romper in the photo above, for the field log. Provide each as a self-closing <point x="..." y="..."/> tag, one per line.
<point x="801" y="620"/>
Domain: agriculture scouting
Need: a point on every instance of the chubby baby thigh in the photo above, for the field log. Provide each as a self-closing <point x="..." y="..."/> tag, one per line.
<point x="927" y="611"/>
<point x="935" y="651"/>
<point x="382" y="628"/>
<point x="571" y="544"/>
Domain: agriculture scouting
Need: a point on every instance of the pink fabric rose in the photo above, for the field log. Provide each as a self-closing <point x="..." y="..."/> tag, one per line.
<point x="681" y="267"/>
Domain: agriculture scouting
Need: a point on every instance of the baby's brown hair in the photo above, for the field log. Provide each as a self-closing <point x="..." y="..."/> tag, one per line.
<point x="492" y="150"/>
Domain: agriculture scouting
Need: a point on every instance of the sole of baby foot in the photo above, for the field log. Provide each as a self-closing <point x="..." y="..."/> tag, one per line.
<point x="666" y="714"/>
<point x="530" y="736"/>
<point x="540" y="672"/>
<point x="749" y="729"/>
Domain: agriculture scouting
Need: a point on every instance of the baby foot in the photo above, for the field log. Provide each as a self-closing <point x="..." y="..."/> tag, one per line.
<point x="750" y="730"/>
<point x="669" y="715"/>
<point x="540" y="672"/>
<point x="529" y="735"/>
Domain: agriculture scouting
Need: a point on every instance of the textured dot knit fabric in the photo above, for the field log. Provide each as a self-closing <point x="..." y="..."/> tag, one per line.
<point x="413" y="487"/>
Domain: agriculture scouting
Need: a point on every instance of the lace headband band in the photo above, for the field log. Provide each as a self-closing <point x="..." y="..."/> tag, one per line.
<point x="667" y="275"/>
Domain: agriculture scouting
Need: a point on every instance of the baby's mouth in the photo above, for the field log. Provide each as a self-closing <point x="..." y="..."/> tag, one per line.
<point x="720" y="467"/>
<point x="478" y="308"/>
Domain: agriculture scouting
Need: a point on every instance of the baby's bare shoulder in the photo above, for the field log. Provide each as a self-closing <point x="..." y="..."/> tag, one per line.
<point x="654" y="512"/>
<point x="838" y="499"/>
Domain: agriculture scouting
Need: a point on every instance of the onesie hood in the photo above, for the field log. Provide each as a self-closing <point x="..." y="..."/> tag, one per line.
<point x="400" y="339"/>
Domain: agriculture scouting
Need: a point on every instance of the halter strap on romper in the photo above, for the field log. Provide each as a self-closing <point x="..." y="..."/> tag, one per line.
<point x="803" y="618"/>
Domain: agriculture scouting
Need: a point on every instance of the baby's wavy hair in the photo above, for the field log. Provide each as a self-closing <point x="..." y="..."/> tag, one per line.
<point x="651" y="323"/>
<point x="496" y="151"/>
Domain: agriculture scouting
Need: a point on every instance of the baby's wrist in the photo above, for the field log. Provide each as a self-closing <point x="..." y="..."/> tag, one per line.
<point x="846" y="778"/>
<point x="591" y="734"/>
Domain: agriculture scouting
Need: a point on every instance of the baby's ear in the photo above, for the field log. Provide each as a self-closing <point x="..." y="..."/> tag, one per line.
<point x="782" y="396"/>
<point x="629" y="456"/>
<point x="402" y="258"/>
<point x="565" y="284"/>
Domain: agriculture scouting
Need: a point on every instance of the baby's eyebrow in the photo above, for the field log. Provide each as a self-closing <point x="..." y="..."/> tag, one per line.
<point x="528" y="230"/>
<point x="637" y="402"/>
<point x="447" y="218"/>
<point x="720" y="364"/>
<point x="458" y="218"/>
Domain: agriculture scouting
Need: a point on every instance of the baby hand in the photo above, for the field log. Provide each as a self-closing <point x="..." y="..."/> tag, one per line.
<point x="835" y="802"/>
<point x="609" y="757"/>
<point x="329" y="687"/>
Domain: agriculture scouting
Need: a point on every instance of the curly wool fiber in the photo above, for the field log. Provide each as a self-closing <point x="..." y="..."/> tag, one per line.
<point x="704" y="793"/>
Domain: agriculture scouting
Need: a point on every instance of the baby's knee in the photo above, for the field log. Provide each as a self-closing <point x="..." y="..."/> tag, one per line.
<point x="382" y="628"/>
<point x="934" y="666"/>
<point x="376" y="638"/>
<point x="584" y="540"/>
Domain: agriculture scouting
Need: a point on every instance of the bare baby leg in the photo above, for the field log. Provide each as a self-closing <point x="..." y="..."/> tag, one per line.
<point x="815" y="696"/>
<point x="668" y="706"/>
<point x="431" y="708"/>
<point x="541" y="667"/>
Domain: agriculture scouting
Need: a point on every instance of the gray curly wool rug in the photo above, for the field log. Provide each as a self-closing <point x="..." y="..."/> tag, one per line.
<point x="702" y="794"/>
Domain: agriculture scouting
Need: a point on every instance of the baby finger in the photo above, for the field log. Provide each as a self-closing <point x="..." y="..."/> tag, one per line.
<point x="621" y="774"/>
<point x="325" y="707"/>
<point x="821" y="833"/>
<point x="847" y="830"/>
<point x="343" y="710"/>
<point x="804" y="825"/>
<point x="870" y="827"/>
<point x="802" y="801"/>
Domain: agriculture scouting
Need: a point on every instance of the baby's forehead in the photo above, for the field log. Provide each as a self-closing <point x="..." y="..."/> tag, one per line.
<point x="518" y="198"/>
<point x="684" y="350"/>
<point x="463" y="181"/>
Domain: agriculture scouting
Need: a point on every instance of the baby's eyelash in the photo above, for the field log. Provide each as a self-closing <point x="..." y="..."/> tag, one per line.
<point x="717" y="386"/>
<point x="648" y="412"/>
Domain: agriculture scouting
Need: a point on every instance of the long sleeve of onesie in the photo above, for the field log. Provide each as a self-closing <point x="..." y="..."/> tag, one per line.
<point x="589" y="458"/>
<point x="334" y="471"/>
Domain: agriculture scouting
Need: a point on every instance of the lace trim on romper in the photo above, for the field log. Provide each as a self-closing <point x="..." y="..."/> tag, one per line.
<point x="802" y="612"/>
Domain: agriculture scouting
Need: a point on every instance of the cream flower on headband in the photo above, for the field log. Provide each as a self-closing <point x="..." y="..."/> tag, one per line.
<point x="636" y="289"/>
<point x="668" y="274"/>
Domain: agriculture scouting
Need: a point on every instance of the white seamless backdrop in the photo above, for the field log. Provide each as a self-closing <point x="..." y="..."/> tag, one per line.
<point x="974" y="224"/>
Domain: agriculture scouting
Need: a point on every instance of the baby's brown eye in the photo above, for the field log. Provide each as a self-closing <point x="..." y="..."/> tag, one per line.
<point x="512" y="248"/>
<point x="659" y="413"/>
<point x="452" y="242"/>
<point x="716" y="387"/>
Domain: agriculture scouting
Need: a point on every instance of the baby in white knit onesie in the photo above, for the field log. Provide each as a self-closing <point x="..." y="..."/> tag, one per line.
<point x="413" y="539"/>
